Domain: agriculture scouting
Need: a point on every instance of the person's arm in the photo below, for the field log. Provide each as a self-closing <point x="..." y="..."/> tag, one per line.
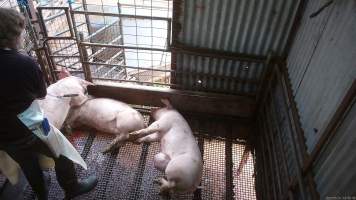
<point x="39" y="84"/>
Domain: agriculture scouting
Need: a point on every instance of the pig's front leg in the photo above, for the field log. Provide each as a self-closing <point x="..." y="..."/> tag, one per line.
<point x="154" y="127"/>
<point x="116" y="143"/>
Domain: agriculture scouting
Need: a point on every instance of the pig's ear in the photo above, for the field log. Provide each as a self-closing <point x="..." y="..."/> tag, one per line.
<point x="78" y="100"/>
<point x="167" y="103"/>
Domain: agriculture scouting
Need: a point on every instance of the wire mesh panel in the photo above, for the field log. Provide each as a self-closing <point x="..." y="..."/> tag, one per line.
<point x="127" y="41"/>
<point x="213" y="182"/>
<point x="243" y="170"/>
<point x="131" y="173"/>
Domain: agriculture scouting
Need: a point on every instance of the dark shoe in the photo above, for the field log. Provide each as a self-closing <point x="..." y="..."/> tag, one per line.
<point x="82" y="187"/>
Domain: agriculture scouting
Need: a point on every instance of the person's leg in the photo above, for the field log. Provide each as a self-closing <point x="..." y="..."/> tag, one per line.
<point x="68" y="180"/>
<point x="66" y="175"/>
<point x="28" y="161"/>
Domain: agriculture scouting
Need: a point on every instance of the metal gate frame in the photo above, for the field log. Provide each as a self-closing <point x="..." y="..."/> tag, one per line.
<point x="83" y="44"/>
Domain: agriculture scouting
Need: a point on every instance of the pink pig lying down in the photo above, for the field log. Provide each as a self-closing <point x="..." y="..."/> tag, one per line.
<point x="180" y="157"/>
<point x="109" y="116"/>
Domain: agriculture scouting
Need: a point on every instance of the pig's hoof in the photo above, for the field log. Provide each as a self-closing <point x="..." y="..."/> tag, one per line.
<point x="108" y="150"/>
<point x="135" y="133"/>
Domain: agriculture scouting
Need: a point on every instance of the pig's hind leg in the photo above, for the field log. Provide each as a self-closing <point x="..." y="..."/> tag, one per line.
<point x="161" y="161"/>
<point x="116" y="143"/>
<point x="154" y="127"/>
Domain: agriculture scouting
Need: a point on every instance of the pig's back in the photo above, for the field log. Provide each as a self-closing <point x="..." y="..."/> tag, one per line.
<point x="179" y="139"/>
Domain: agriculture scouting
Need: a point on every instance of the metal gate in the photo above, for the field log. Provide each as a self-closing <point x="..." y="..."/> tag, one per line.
<point x="107" y="43"/>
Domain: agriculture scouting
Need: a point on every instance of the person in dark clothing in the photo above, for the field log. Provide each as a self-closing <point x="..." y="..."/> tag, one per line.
<point x="21" y="82"/>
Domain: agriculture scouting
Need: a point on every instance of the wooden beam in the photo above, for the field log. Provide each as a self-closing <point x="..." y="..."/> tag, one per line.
<point x="184" y="101"/>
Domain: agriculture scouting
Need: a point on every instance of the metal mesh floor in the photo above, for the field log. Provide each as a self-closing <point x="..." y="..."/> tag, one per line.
<point x="130" y="174"/>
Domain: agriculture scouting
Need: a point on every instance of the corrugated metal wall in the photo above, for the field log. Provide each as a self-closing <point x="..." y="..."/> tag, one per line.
<point x="322" y="63"/>
<point x="322" y="68"/>
<point x="250" y="27"/>
<point x="279" y="159"/>
<point x="335" y="170"/>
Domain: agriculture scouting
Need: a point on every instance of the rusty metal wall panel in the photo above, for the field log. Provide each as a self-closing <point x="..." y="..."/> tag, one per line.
<point x="335" y="169"/>
<point x="322" y="64"/>
<point x="245" y="26"/>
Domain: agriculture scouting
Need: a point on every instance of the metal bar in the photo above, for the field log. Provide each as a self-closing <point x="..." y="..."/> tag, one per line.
<point x="264" y="162"/>
<point x="148" y="7"/>
<point x="52" y="8"/>
<point x="130" y="67"/>
<point x="50" y="62"/>
<point x="280" y="143"/>
<point x="103" y="48"/>
<point x="120" y="15"/>
<point x="87" y="20"/>
<point x="43" y="67"/>
<point x="64" y="48"/>
<point x="65" y="31"/>
<point x="139" y="174"/>
<point x="70" y="25"/>
<point x="107" y="62"/>
<point x="270" y="140"/>
<point x="66" y="56"/>
<point x="228" y="165"/>
<point x="270" y="158"/>
<point x="197" y="192"/>
<point x="99" y="31"/>
<point x="111" y="70"/>
<point x="264" y="77"/>
<point x="216" y="53"/>
<point x="85" y="58"/>
<point x="121" y="33"/>
<point x="42" y="22"/>
<point x="59" y="38"/>
<point x="132" y="81"/>
<point x="122" y="46"/>
<point x="169" y="25"/>
<point x="295" y="148"/>
<point x="54" y="16"/>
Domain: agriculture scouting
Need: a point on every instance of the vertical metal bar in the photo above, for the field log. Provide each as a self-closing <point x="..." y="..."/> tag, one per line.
<point x="264" y="161"/>
<point x="122" y="37"/>
<point x="70" y="25"/>
<point x="270" y="139"/>
<point x="42" y="22"/>
<point x="197" y="193"/>
<point x="169" y="28"/>
<point x="294" y="144"/>
<point x="52" y="65"/>
<point x="273" y="114"/>
<point x="228" y="165"/>
<point x="270" y="157"/>
<point x="43" y="67"/>
<point x="265" y="74"/>
<point x="79" y="39"/>
<point x="85" y="59"/>
<point x="87" y="20"/>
